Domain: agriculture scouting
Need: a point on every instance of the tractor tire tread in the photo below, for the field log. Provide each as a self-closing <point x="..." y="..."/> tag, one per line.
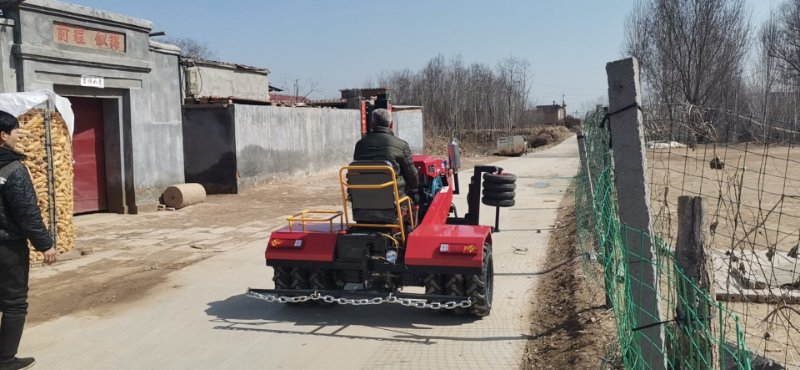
<point x="282" y="278"/>
<point x="504" y="178"/>
<point x="300" y="279"/>
<point x="499" y="195"/>
<point x="434" y="284"/>
<point x="479" y="287"/>
<point x="495" y="187"/>
<point x="455" y="285"/>
<point x="498" y="202"/>
<point x="320" y="280"/>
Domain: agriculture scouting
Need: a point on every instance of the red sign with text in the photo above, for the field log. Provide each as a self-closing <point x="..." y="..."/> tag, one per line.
<point x="68" y="34"/>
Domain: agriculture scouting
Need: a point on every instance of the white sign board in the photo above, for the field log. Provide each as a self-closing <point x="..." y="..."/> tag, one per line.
<point x="92" y="81"/>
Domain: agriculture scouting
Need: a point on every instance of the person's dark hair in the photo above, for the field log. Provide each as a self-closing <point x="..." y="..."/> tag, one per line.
<point x="8" y="122"/>
<point x="381" y="118"/>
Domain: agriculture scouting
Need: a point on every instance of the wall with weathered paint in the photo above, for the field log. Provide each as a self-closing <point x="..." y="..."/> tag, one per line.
<point x="225" y="80"/>
<point x="274" y="142"/>
<point x="158" y="150"/>
<point x="8" y="72"/>
<point x="233" y="147"/>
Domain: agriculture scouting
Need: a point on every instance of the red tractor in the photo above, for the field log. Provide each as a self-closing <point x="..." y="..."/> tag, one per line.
<point x="382" y="242"/>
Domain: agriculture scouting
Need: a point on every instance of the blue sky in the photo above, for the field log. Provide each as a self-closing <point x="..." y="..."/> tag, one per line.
<point x="342" y="44"/>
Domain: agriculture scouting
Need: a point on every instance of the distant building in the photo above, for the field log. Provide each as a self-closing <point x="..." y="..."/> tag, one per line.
<point x="553" y="114"/>
<point x="288" y="100"/>
<point x="352" y="98"/>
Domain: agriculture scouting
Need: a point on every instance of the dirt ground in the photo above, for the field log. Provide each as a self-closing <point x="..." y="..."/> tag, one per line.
<point x="571" y="328"/>
<point x="754" y="204"/>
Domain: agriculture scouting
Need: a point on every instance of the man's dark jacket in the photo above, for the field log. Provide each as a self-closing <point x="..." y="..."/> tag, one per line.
<point x="382" y="145"/>
<point x="20" y="217"/>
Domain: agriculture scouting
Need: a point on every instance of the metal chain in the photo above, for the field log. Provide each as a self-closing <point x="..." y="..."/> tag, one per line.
<point x="408" y="302"/>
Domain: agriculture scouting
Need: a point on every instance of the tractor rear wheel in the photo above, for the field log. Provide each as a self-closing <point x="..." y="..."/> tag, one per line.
<point x="454" y="286"/>
<point x="434" y="285"/>
<point x="300" y="279"/>
<point x="282" y="277"/>
<point x="480" y="286"/>
<point x="320" y="279"/>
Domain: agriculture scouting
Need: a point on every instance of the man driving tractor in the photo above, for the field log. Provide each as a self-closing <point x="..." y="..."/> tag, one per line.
<point x="381" y="145"/>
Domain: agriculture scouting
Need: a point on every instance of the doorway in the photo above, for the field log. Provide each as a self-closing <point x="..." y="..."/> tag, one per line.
<point x="88" y="153"/>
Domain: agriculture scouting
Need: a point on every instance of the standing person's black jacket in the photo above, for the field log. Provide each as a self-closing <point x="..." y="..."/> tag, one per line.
<point x="20" y="217"/>
<point x="382" y="145"/>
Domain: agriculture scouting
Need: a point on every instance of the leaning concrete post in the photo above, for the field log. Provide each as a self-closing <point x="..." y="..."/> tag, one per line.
<point x="696" y="344"/>
<point x="630" y="163"/>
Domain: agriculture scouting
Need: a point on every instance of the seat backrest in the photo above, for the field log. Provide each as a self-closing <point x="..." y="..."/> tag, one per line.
<point x="372" y="205"/>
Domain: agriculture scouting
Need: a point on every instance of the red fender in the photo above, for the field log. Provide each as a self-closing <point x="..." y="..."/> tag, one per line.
<point x="318" y="243"/>
<point x="424" y="247"/>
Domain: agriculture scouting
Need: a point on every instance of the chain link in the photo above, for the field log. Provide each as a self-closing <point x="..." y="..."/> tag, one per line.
<point x="408" y="302"/>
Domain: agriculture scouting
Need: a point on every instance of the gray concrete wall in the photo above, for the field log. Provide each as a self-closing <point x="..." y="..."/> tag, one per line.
<point x="409" y="127"/>
<point x="8" y="72"/>
<point x="219" y="79"/>
<point x="274" y="142"/>
<point x="158" y="154"/>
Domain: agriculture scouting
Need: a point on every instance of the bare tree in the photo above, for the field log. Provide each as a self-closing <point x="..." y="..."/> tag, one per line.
<point x="777" y="72"/>
<point x="780" y="37"/>
<point x="300" y="89"/>
<point x="474" y="98"/>
<point x="191" y="48"/>
<point x="691" y="51"/>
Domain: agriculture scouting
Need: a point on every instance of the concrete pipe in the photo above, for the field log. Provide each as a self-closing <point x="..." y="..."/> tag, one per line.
<point x="182" y="195"/>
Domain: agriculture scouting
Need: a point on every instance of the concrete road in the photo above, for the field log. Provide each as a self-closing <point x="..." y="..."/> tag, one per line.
<point x="200" y="319"/>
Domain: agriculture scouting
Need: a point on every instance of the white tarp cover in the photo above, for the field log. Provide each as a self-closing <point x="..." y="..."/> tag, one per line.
<point x="21" y="102"/>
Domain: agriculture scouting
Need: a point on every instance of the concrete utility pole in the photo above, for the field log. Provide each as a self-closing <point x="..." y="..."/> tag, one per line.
<point x="630" y="163"/>
<point x="696" y="347"/>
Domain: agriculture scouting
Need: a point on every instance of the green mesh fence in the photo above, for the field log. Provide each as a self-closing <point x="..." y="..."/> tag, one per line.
<point x="698" y="332"/>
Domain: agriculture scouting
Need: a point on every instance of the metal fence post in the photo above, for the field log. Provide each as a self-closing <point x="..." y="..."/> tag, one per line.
<point x="630" y="164"/>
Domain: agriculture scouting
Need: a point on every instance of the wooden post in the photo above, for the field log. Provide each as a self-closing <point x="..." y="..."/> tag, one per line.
<point x="696" y="344"/>
<point x="630" y="164"/>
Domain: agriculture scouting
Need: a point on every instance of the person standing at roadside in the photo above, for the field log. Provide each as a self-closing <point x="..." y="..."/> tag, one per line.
<point x="20" y="221"/>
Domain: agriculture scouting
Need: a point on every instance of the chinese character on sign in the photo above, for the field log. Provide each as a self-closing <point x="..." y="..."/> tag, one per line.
<point x="92" y="81"/>
<point x="73" y="35"/>
<point x="114" y="42"/>
<point x="100" y="40"/>
<point x="78" y="36"/>
<point x="63" y="33"/>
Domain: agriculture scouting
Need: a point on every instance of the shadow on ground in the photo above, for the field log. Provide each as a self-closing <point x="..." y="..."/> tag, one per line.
<point x="386" y="322"/>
